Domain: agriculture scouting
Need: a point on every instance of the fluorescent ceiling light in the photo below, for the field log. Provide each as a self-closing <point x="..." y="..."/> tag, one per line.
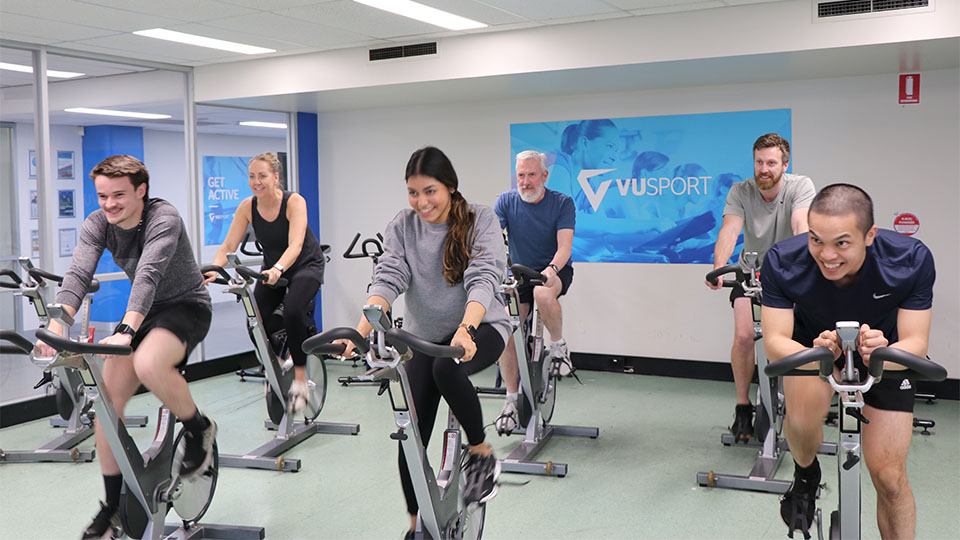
<point x="108" y="112"/>
<point x="424" y="13"/>
<point x="50" y="72"/>
<point x="200" y="41"/>
<point x="274" y="125"/>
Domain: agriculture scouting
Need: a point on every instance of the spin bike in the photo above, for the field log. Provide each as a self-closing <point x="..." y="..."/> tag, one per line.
<point x="538" y="385"/>
<point x="371" y="248"/>
<point x="845" y="521"/>
<point x="152" y="482"/>
<point x="75" y="409"/>
<point x="770" y="404"/>
<point x="289" y="432"/>
<point x="443" y="514"/>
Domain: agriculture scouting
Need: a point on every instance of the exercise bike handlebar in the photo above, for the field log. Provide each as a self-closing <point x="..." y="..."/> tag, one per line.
<point x="40" y="275"/>
<point x="243" y="247"/>
<point x="323" y="343"/>
<point x="222" y="279"/>
<point x="917" y="368"/>
<point x="528" y="275"/>
<point x="365" y="251"/>
<point x="18" y="343"/>
<point x="61" y="343"/>
<point x="250" y="273"/>
<point x="724" y="270"/>
<point x="402" y="340"/>
<point x="15" y="279"/>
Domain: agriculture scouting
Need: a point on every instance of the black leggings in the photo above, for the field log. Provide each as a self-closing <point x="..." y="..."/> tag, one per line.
<point x="431" y="378"/>
<point x="302" y="287"/>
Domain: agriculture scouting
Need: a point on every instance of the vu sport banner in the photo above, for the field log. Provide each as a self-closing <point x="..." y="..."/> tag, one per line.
<point x="649" y="189"/>
<point x="225" y="185"/>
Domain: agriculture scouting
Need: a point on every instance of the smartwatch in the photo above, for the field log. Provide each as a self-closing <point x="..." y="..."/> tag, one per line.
<point x="470" y="330"/>
<point x="125" y="329"/>
<point x="555" y="269"/>
<point x="279" y="267"/>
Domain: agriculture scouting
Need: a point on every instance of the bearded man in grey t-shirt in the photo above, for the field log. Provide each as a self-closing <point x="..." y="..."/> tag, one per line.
<point x="770" y="207"/>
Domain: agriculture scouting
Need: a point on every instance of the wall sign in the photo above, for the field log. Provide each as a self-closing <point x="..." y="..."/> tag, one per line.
<point x="909" y="88"/>
<point x="906" y="223"/>
<point x="225" y="185"/>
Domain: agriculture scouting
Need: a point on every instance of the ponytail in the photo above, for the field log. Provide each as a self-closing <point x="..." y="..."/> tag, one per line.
<point x="459" y="245"/>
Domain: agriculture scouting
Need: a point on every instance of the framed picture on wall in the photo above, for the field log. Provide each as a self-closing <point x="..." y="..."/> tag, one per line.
<point x="33" y="204"/>
<point x="32" y="163"/>
<point x="68" y="242"/>
<point x="65" y="201"/>
<point x="64" y="164"/>
<point x="35" y="244"/>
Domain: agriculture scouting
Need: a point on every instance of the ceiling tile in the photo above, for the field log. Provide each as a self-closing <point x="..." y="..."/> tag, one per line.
<point x="79" y="13"/>
<point x="274" y="5"/>
<point x="291" y="29"/>
<point x="479" y="11"/>
<point x="545" y="10"/>
<point x="13" y="23"/>
<point x="181" y="10"/>
<point x="142" y="47"/>
<point x="353" y="17"/>
<point x="699" y="5"/>
<point x="645" y="4"/>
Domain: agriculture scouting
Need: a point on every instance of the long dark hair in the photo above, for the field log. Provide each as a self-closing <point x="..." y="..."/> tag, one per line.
<point x="430" y="161"/>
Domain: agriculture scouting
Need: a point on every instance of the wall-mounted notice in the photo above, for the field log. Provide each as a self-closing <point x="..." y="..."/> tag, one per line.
<point x="906" y="223"/>
<point x="224" y="187"/>
<point x="648" y="189"/>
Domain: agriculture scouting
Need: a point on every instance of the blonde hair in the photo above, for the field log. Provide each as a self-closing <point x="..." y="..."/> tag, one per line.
<point x="273" y="162"/>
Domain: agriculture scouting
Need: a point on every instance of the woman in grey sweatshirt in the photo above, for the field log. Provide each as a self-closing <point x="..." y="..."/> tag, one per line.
<point x="448" y="257"/>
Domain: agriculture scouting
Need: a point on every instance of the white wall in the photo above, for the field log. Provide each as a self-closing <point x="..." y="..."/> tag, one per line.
<point x="844" y="129"/>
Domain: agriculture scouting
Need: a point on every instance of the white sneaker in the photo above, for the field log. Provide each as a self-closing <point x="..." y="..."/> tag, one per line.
<point x="561" y="358"/>
<point x="507" y="421"/>
<point x="297" y="397"/>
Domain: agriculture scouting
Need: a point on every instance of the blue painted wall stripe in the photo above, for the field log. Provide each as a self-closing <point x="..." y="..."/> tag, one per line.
<point x="309" y="174"/>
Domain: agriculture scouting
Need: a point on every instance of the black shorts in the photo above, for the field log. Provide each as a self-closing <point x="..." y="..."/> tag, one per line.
<point x="189" y="322"/>
<point x="566" y="278"/>
<point x="736" y="292"/>
<point x="892" y="393"/>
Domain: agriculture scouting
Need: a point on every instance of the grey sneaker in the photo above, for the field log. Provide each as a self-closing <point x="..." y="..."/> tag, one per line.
<point x="198" y="451"/>
<point x="482" y="475"/>
<point x="297" y="397"/>
<point x="105" y="526"/>
<point x="507" y="421"/>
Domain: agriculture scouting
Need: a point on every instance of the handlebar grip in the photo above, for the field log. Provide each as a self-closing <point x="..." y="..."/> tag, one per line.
<point x="250" y="273"/>
<point x="224" y="278"/>
<point x="347" y="254"/>
<point x="396" y="336"/>
<point x="13" y="276"/>
<point x="94" y="286"/>
<point x="21" y="344"/>
<point x="527" y="274"/>
<point x="723" y="270"/>
<point x="61" y="343"/>
<point x="40" y="275"/>
<point x="319" y="343"/>
<point x="788" y="364"/>
<point x="243" y="247"/>
<point x="377" y="248"/>
<point x="918" y="368"/>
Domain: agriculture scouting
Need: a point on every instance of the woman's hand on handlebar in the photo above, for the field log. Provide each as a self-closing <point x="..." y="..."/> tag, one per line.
<point x="829" y="340"/>
<point x="271" y="275"/>
<point x="870" y="339"/>
<point x="348" y="348"/>
<point x="209" y="277"/>
<point x="462" y="339"/>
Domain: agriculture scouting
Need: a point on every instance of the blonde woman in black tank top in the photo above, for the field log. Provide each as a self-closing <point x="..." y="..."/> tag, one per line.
<point x="290" y="250"/>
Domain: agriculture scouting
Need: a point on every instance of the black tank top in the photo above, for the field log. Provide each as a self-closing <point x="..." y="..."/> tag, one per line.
<point x="273" y="237"/>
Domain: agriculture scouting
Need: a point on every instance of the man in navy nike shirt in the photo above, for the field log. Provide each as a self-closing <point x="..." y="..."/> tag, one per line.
<point x="845" y="269"/>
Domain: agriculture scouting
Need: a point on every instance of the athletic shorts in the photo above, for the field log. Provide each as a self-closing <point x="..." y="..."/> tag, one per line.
<point x="892" y="393"/>
<point x="566" y="278"/>
<point x="189" y="322"/>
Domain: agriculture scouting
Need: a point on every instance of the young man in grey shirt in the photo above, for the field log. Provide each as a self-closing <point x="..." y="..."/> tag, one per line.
<point x="168" y="313"/>
<point x="770" y="207"/>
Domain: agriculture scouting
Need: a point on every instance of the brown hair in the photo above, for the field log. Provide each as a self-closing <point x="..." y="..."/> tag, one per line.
<point x="124" y="165"/>
<point x="771" y="140"/>
<point x="430" y="161"/>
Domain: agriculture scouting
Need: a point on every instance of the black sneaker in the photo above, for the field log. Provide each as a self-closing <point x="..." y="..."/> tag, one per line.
<point x="105" y="526"/>
<point x="481" y="483"/>
<point x="198" y="451"/>
<point x="798" y="505"/>
<point x="742" y="427"/>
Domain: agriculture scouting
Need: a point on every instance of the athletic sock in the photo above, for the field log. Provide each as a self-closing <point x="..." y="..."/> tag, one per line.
<point x="809" y="474"/>
<point x="196" y="424"/>
<point x="112" y="484"/>
<point x="513" y="396"/>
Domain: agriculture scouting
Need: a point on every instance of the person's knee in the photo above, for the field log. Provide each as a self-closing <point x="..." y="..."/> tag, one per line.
<point x="743" y="338"/>
<point x="805" y="409"/>
<point x="890" y="480"/>
<point x="545" y="296"/>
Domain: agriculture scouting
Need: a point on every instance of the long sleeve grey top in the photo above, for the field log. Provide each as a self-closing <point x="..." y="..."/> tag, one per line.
<point x="164" y="272"/>
<point x="412" y="263"/>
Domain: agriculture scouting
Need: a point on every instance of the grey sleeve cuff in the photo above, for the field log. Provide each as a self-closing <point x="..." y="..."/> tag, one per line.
<point x="384" y="291"/>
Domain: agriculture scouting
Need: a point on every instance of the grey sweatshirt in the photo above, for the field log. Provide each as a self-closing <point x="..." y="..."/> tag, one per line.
<point x="165" y="272"/>
<point x="412" y="263"/>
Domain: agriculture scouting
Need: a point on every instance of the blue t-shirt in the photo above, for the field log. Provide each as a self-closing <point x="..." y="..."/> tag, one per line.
<point x="898" y="272"/>
<point x="532" y="228"/>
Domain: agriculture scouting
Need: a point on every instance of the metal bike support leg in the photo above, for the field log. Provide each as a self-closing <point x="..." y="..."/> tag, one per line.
<point x="269" y="456"/>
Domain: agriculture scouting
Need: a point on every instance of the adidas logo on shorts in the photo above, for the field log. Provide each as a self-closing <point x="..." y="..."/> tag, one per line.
<point x="905" y="385"/>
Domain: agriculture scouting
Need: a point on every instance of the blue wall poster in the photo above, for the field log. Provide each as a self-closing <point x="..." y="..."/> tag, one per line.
<point x="648" y="189"/>
<point x="224" y="187"/>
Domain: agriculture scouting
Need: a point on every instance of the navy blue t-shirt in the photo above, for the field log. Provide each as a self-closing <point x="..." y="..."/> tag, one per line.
<point x="898" y="272"/>
<point x="532" y="228"/>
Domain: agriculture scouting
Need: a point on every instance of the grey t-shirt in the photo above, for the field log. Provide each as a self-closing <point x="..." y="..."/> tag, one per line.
<point x="412" y="263"/>
<point x="766" y="223"/>
<point x="164" y="271"/>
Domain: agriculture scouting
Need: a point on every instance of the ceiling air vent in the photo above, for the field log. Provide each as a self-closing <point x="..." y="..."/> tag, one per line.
<point x="862" y="7"/>
<point x="417" y="49"/>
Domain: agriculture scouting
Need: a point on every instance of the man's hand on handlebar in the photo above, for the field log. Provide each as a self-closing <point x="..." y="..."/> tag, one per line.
<point x="271" y="275"/>
<point x="870" y="339"/>
<point x="117" y="339"/>
<point x="209" y="277"/>
<point x="462" y="339"/>
<point x="718" y="284"/>
<point x="553" y="279"/>
<point x="829" y="339"/>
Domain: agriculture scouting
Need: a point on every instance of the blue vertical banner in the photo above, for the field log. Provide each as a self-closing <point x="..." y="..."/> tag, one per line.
<point x="225" y="185"/>
<point x="648" y="189"/>
<point x="308" y="173"/>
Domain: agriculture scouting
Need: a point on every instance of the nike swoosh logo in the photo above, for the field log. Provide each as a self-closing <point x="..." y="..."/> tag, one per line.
<point x="879" y="296"/>
<point x="595" y="198"/>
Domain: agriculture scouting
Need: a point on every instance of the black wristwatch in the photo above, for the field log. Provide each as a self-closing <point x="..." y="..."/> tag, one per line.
<point x="470" y="330"/>
<point x="125" y="329"/>
<point x="555" y="269"/>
